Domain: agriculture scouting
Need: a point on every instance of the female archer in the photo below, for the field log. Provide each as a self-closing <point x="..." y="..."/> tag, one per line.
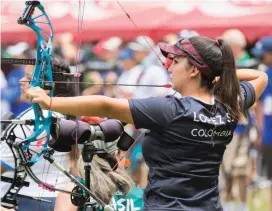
<point x="187" y="136"/>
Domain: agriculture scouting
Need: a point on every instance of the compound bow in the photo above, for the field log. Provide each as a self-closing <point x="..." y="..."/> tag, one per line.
<point x="26" y="151"/>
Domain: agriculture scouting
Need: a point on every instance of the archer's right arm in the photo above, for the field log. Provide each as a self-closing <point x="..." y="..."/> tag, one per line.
<point x="258" y="79"/>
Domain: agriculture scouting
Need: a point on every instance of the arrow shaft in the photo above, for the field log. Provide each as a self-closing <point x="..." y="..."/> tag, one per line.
<point x="105" y="84"/>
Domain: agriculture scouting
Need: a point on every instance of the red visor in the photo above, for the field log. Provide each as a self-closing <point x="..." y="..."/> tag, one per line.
<point x="191" y="54"/>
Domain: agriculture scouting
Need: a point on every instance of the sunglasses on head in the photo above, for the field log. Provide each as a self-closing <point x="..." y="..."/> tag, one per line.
<point x="179" y="46"/>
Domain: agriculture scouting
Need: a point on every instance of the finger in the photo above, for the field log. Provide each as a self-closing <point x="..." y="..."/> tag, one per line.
<point x="28" y="96"/>
<point x="36" y="100"/>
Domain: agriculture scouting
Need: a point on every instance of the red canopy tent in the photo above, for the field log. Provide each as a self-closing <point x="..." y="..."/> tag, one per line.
<point x="154" y="18"/>
<point x="208" y="17"/>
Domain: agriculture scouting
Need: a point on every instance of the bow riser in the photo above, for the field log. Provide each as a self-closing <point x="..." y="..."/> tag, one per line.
<point x="41" y="71"/>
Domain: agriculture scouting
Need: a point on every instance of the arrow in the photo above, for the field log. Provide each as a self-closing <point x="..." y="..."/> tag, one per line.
<point x="105" y="84"/>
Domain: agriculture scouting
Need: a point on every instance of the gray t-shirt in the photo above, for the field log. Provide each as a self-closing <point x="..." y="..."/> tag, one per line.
<point x="184" y="149"/>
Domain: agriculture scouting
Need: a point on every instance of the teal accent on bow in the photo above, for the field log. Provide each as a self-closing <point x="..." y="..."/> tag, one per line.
<point x="42" y="71"/>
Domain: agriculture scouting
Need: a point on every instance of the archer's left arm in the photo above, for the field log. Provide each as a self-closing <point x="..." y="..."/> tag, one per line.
<point x="91" y="105"/>
<point x="94" y="105"/>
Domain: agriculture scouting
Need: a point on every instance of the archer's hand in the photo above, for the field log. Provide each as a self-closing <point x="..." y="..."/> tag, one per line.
<point x="39" y="96"/>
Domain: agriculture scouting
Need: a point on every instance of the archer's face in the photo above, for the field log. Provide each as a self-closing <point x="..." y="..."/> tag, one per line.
<point x="25" y="85"/>
<point x="179" y="74"/>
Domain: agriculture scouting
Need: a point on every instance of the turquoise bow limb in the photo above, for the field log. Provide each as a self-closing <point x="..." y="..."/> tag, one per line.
<point x="41" y="71"/>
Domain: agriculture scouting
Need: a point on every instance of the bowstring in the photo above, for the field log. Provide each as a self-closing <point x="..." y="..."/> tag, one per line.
<point x="45" y="161"/>
<point x="58" y="172"/>
<point x="81" y="7"/>
<point x="143" y="131"/>
<point x="78" y="57"/>
<point x="79" y="32"/>
<point x="129" y="17"/>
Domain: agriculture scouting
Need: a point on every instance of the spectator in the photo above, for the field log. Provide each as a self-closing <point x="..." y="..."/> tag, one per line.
<point x="107" y="52"/>
<point x="43" y="170"/>
<point x="236" y="160"/>
<point x="170" y="38"/>
<point x="93" y="77"/>
<point x="263" y="50"/>
<point x="187" y="33"/>
<point x="152" y="73"/>
<point x="237" y="41"/>
<point x="130" y="75"/>
<point x="11" y="93"/>
<point x="5" y="108"/>
<point x="110" y="78"/>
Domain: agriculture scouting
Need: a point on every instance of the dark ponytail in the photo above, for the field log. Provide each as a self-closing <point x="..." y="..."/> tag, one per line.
<point x="219" y="57"/>
<point x="228" y="87"/>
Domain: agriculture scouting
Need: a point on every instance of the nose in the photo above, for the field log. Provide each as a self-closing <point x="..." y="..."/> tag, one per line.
<point x="170" y="69"/>
<point x="168" y="63"/>
<point x="21" y="80"/>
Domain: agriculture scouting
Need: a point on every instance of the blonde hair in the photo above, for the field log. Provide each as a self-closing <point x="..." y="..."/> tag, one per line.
<point x="104" y="181"/>
<point x="235" y="37"/>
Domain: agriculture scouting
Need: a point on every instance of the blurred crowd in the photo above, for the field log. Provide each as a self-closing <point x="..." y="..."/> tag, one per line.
<point x="247" y="163"/>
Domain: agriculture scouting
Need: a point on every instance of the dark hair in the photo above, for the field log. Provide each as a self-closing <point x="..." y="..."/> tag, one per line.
<point x="219" y="57"/>
<point x="59" y="66"/>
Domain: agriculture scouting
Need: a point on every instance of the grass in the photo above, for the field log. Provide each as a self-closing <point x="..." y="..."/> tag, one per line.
<point x="260" y="200"/>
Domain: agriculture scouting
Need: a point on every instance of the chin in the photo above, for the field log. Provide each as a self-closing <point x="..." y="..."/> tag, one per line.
<point x="173" y="86"/>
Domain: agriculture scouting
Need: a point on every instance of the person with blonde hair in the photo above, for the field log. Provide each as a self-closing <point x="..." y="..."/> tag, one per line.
<point x="237" y="41"/>
<point x="105" y="183"/>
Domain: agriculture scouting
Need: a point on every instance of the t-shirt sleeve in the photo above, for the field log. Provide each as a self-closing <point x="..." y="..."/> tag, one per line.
<point x="247" y="94"/>
<point x="154" y="113"/>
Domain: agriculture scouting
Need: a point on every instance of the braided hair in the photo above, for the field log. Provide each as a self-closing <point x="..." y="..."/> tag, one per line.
<point x="104" y="181"/>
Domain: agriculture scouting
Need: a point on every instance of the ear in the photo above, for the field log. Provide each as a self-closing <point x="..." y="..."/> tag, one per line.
<point x="194" y="72"/>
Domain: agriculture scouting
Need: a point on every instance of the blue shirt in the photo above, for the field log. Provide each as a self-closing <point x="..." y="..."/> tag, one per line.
<point x="12" y="92"/>
<point x="266" y="98"/>
<point x="184" y="149"/>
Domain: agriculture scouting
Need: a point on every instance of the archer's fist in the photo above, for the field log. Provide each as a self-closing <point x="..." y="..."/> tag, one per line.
<point x="39" y="96"/>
